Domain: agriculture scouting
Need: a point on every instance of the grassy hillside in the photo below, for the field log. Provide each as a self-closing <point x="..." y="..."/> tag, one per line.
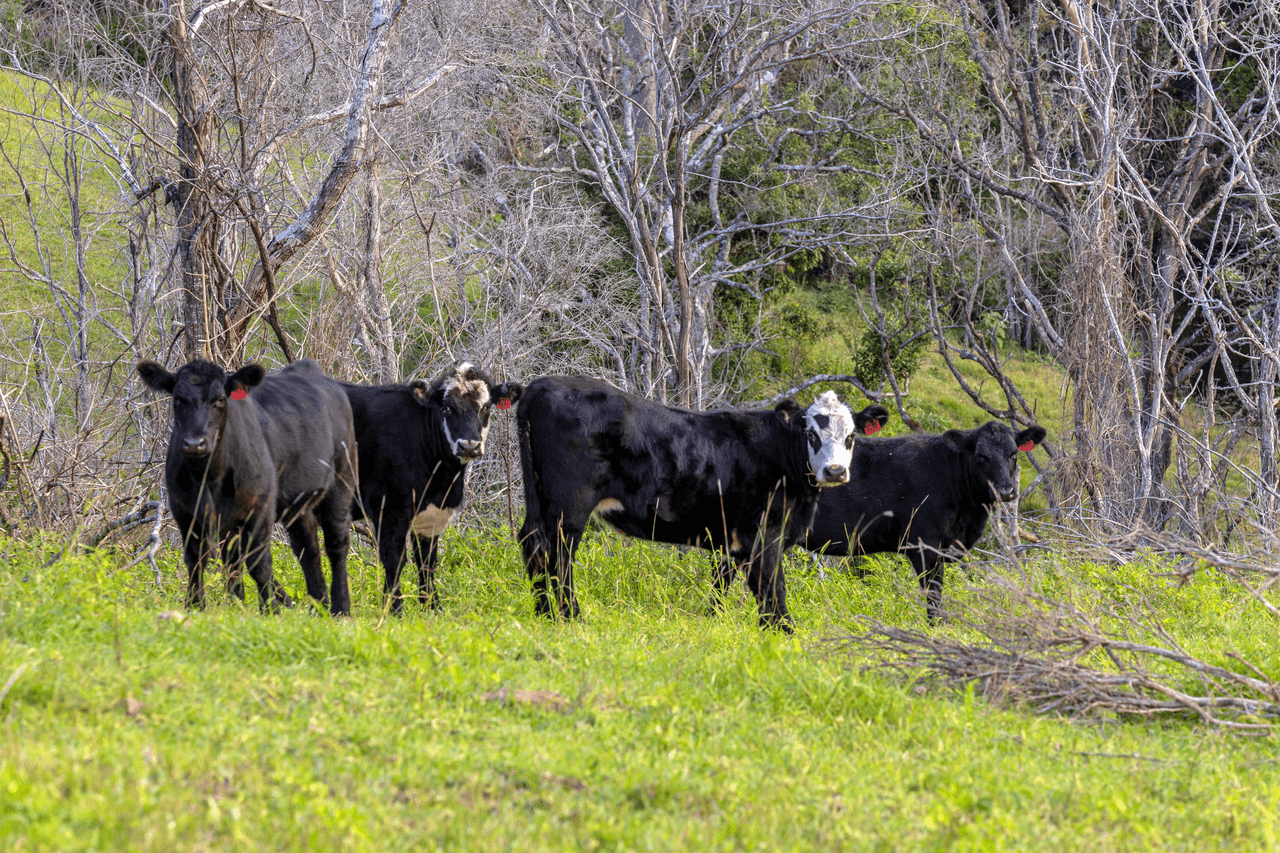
<point x="648" y="725"/>
<point x="39" y="150"/>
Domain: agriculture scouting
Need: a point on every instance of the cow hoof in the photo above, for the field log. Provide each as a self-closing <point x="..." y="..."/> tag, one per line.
<point x="783" y="623"/>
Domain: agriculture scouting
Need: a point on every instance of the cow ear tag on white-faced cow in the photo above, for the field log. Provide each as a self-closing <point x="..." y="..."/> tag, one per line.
<point x="871" y="428"/>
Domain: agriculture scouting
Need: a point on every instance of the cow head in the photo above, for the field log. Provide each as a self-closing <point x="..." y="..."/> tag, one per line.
<point x="200" y="390"/>
<point x="829" y="429"/>
<point x="991" y="452"/>
<point x="464" y="396"/>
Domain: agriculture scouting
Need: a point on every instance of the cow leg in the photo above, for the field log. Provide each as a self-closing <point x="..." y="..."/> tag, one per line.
<point x="335" y="520"/>
<point x="929" y="568"/>
<point x="391" y="542"/>
<point x="561" y="579"/>
<point x="766" y="581"/>
<point x="305" y="543"/>
<point x="533" y="544"/>
<point x="725" y="572"/>
<point x="549" y="562"/>
<point x="257" y="560"/>
<point x="233" y="564"/>
<point x="425" y="556"/>
<point x="195" y="554"/>
<point x="334" y="513"/>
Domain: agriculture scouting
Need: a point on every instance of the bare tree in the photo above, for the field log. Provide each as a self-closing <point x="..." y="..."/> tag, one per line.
<point x="1108" y="191"/>
<point x="722" y="107"/>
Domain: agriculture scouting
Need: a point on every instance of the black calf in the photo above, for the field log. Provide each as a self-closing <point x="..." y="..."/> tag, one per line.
<point x="248" y="450"/>
<point x="923" y="495"/>
<point x="415" y="442"/>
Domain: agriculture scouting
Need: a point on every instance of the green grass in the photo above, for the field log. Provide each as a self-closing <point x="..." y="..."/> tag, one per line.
<point x="657" y="727"/>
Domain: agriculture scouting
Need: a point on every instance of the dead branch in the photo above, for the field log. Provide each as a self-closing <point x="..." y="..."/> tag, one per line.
<point x="1031" y="651"/>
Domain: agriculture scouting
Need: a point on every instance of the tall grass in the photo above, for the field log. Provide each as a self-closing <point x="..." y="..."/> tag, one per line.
<point x="646" y="725"/>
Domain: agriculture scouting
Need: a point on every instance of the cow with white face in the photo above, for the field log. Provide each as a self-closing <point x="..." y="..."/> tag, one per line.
<point x="463" y="396"/>
<point x="829" y="429"/>
<point x="745" y="483"/>
<point x="415" y="442"/>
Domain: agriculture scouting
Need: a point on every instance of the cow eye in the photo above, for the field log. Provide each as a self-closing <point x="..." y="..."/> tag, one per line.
<point x="848" y="443"/>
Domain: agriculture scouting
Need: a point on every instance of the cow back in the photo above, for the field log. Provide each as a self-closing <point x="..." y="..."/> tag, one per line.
<point x="900" y="490"/>
<point x="659" y="472"/>
<point x="307" y="424"/>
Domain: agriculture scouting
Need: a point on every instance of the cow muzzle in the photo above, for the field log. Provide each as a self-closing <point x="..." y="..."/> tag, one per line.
<point x="196" y="445"/>
<point x="1004" y="495"/>
<point x="833" y="475"/>
<point x="468" y="449"/>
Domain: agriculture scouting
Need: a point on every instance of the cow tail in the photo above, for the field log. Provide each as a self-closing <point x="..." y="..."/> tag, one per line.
<point x="533" y="537"/>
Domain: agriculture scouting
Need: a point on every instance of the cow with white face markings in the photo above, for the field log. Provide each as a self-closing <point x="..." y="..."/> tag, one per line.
<point x="829" y="429"/>
<point x="415" y="443"/>
<point x="745" y="483"/>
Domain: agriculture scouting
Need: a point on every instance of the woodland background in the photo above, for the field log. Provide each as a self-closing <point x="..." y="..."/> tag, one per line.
<point x="681" y="197"/>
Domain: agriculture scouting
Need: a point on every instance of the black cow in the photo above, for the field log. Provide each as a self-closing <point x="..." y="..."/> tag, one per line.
<point x="923" y="495"/>
<point x="415" y="442"/>
<point x="745" y="482"/>
<point x="247" y="450"/>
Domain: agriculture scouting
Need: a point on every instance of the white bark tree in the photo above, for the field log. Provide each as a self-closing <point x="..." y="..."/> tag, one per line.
<point x="1113" y="162"/>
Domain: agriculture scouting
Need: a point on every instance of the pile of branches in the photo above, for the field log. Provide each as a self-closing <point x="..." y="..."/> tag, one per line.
<point x="1021" y="648"/>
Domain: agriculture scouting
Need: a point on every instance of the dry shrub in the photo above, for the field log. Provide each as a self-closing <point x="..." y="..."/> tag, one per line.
<point x="1095" y="659"/>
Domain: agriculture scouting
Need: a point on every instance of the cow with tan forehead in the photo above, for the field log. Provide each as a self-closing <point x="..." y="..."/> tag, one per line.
<point x="416" y="441"/>
<point x="745" y="483"/>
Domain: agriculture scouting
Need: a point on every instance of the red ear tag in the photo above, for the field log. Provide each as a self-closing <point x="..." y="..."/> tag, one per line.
<point x="239" y="395"/>
<point x="871" y="428"/>
<point x="502" y="403"/>
<point x="1028" y="447"/>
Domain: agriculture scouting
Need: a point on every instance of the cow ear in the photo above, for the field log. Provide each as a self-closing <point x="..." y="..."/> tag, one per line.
<point x="249" y="376"/>
<point x="506" y="394"/>
<point x="871" y="420"/>
<point x="421" y="392"/>
<point x="958" y="440"/>
<point x="155" y="377"/>
<point x="1030" y="437"/>
<point x="789" y="410"/>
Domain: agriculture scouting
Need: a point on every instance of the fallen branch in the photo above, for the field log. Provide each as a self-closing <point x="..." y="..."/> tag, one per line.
<point x="148" y="551"/>
<point x="1053" y="658"/>
<point x="138" y="517"/>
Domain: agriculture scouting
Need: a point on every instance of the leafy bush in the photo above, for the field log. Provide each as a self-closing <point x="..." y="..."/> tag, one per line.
<point x="904" y="348"/>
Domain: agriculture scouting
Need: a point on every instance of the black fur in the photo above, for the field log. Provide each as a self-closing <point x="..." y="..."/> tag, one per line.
<point x="923" y="495"/>
<point x="737" y="481"/>
<point x="407" y="464"/>
<point x="236" y="466"/>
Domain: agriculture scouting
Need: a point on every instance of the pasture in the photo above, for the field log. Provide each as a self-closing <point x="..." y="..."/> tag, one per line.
<point x="646" y="725"/>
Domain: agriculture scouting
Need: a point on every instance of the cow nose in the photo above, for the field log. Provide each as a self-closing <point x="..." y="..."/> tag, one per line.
<point x="195" y="446"/>
<point x="469" y="449"/>
<point x="835" y="474"/>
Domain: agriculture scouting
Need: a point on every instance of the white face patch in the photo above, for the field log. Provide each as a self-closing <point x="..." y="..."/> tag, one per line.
<point x="432" y="521"/>
<point x="476" y="390"/>
<point x="829" y="431"/>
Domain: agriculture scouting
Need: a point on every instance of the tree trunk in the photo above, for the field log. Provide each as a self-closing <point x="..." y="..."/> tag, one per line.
<point x="376" y="310"/>
<point x="197" y="224"/>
